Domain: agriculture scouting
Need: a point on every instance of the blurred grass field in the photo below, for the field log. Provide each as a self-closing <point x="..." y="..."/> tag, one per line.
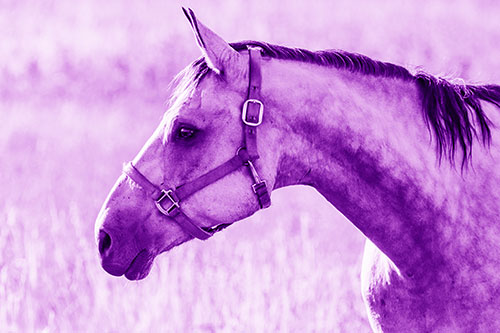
<point x="82" y="86"/>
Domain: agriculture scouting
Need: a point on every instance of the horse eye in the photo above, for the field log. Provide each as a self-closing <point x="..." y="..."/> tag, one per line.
<point x="185" y="133"/>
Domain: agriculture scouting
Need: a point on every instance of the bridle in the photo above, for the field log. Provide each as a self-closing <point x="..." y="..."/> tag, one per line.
<point x="251" y="116"/>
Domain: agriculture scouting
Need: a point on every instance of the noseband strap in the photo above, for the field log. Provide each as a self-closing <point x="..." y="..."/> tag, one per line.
<point x="168" y="201"/>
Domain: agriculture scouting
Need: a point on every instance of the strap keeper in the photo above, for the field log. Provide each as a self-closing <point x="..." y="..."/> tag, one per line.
<point x="257" y="186"/>
<point x="260" y="189"/>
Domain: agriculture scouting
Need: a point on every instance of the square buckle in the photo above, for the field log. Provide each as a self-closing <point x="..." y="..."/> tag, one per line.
<point x="257" y="186"/>
<point x="245" y="109"/>
<point x="166" y="194"/>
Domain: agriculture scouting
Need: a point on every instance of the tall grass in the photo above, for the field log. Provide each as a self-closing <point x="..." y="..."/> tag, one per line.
<point x="77" y="78"/>
<point x="283" y="268"/>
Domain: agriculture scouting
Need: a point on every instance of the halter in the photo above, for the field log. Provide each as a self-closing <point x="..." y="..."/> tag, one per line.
<point x="168" y="201"/>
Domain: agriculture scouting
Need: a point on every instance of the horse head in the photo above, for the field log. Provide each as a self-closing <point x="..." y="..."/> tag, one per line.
<point x="195" y="174"/>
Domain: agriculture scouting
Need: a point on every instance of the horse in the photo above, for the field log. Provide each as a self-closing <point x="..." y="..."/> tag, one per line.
<point x="409" y="158"/>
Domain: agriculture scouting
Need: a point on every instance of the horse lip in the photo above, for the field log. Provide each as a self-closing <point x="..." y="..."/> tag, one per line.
<point x="115" y="270"/>
<point x="140" y="266"/>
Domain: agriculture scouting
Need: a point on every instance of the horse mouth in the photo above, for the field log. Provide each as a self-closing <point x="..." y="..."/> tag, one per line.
<point x="140" y="266"/>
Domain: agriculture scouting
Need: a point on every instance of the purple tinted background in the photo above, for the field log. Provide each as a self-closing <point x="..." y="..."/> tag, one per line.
<point x="82" y="87"/>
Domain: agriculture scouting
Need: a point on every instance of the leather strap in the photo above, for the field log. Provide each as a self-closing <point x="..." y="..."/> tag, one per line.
<point x="179" y="217"/>
<point x="253" y="109"/>
<point x="213" y="175"/>
<point x="254" y="115"/>
<point x="263" y="196"/>
<point x="130" y="170"/>
<point x="187" y="225"/>
<point x="184" y="191"/>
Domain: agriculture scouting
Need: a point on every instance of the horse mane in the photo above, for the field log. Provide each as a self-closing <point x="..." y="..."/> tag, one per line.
<point x="452" y="111"/>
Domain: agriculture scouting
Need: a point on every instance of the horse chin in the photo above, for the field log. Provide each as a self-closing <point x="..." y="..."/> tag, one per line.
<point x="140" y="266"/>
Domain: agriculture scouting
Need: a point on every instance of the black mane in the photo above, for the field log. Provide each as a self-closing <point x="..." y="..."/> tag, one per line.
<point x="453" y="111"/>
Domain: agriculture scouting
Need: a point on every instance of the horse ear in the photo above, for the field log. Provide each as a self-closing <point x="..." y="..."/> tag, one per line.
<point x="217" y="51"/>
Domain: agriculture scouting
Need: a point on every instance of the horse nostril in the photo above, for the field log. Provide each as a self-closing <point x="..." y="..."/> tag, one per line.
<point x="104" y="242"/>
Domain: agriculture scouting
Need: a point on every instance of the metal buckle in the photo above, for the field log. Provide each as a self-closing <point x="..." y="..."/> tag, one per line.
<point x="256" y="177"/>
<point x="253" y="171"/>
<point x="166" y="194"/>
<point x="244" y="113"/>
<point x="254" y="186"/>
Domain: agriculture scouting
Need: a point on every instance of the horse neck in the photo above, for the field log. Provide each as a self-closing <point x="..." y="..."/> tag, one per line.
<point x="361" y="141"/>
